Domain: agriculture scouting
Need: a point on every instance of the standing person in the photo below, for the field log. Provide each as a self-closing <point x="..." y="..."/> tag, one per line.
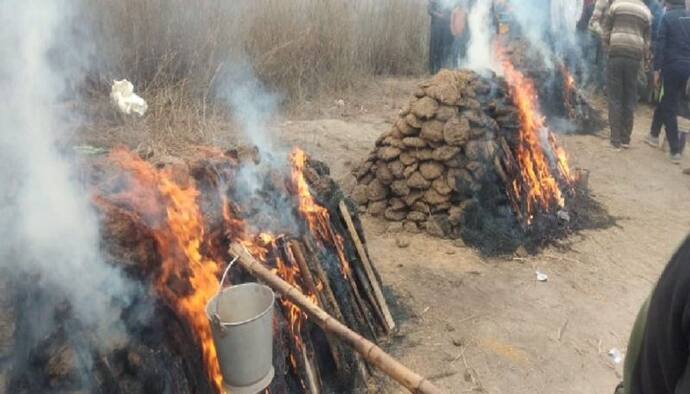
<point x="627" y="30"/>
<point x="599" y="14"/>
<point x="672" y="62"/>
<point x="441" y="37"/>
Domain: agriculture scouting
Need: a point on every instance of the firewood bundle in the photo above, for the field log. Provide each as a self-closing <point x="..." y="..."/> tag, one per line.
<point x="135" y="200"/>
<point x="427" y="170"/>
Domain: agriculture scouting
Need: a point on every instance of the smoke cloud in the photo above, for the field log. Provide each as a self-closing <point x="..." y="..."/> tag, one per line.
<point x="49" y="230"/>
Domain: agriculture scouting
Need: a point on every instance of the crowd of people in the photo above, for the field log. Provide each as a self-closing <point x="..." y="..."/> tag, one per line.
<point x="633" y="50"/>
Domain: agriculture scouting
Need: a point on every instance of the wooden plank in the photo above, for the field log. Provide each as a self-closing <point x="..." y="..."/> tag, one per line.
<point x="381" y="300"/>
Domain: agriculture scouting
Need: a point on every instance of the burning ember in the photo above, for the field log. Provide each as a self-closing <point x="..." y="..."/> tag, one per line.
<point x="544" y="177"/>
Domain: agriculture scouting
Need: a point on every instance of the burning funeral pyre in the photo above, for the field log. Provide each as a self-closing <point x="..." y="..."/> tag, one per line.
<point x="471" y="157"/>
<point x="170" y="226"/>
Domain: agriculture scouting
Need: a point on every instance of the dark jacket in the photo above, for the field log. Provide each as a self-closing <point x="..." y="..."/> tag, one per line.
<point x="662" y="334"/>
<point x="673" y="44"/>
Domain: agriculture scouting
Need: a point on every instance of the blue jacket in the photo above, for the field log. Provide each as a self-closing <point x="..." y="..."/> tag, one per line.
<point x="673" y="44"/>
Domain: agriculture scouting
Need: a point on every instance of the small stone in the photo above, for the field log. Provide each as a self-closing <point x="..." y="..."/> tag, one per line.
<point x="440" y="184"/>
<point x="395" y="227"/>
<point x="434" y="229"/>
<point x="407" y="158"/>
<point x="402" y="243"/>
<point x="376" y="191"/>
<point x="444" y="87"/>
<point x="413" y="197"/>
<point x="412" y="120"/>
<point x="432" y="130"/>
<point x="424" y="154"/>
<point x="521" y="252"/>
<point x="414" y="142"/>
<point x="395" y="142"/>
<point x="446" y="112"/>
<point x="412" y="227"/>
<point x="474" y="150"/>
<point x="431" y="170"/>
<point x="456" y="131"/>
<point x="360" y="194"/>
<point x="400" y="188"/>
<point x="394" y="215"/>
<point x="421" y="206"/>
<point x="445" y="153"/>
<point x="397" y="168"/>
<point x="363" y="169"/>
<point x="376" y="208"/>
<point x="416" y="216"/>
<point x="434" y="198"/>
<point x="417" y="181"/>
<point x="405" y="128"/>
<point x="410" y="169"/>
<point x="388" y="153"/>
<point x="419" y="92"/>
<point x="458" y="341"/>
<point x="424" y="108"/>
<point x="396" y="203"/>
<point x="383" y="174"/>
<point x="459" y="243"/>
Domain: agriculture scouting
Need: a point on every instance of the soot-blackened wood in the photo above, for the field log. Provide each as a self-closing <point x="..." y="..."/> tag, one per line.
<point x="368" y="266"/>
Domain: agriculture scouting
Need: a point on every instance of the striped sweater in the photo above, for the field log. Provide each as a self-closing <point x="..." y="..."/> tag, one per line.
<point x="627" y="29"/>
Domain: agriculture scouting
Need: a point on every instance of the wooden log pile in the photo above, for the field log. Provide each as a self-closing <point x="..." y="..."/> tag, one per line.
<point x="162" y="353"/>
<point x="427" y="170"/>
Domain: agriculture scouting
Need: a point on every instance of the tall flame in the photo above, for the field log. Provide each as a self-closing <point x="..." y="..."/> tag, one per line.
<point x="317" y="217"/>
<point x="179" y="232"/>
<point x="542" y="163"/>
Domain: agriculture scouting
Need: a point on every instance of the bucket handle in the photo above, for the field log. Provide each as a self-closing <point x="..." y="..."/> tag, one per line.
<point x="216" y="315"/>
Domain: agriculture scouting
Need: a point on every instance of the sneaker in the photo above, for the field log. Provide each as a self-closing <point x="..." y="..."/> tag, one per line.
<point x="625" y="146"/>
<point x="615" y="147"/>
<point x="675" y="158"/>
<point x="652" y="141"/>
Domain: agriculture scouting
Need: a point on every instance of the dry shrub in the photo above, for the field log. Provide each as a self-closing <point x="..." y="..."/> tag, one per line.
<point x="297" y="47"/>
<point x="176" y="51"/>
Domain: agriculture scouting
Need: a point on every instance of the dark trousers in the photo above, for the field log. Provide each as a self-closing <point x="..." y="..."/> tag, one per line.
<point x="675" y="78"/>
<point x="440" y="44"/>
<point x="657" y="121"/>
<point x="622" y="95"/>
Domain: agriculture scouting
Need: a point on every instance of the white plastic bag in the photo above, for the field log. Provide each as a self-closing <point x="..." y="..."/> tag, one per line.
<point x="122" y="94"/>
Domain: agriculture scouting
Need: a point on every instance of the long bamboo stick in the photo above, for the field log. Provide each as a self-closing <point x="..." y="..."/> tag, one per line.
<point x="371" y="353"/>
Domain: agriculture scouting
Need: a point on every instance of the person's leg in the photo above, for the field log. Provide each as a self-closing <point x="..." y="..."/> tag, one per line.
<point x="615" y="84"/>
<point x="673" y="84"/>
<point x="435" y="46"/>
<point x="657" y="122"/>
<point x="630" y="76"/>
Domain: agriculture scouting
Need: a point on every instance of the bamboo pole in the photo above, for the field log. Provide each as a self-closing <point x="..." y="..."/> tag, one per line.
<point x="371" y="353"/>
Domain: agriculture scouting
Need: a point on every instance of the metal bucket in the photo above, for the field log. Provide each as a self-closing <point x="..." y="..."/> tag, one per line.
<point x="242" y="326"/>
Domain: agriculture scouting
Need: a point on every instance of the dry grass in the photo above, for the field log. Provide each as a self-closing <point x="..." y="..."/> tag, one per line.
<point x="175" y="51"/>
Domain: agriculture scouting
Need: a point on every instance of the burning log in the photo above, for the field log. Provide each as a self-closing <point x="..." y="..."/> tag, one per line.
<point x="372" y="353"/>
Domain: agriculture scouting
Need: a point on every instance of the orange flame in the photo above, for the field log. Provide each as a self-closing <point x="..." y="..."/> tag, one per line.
<point x="179" y="234"/>
<point x="317" y="217"/>
<point x="536" y="186"/>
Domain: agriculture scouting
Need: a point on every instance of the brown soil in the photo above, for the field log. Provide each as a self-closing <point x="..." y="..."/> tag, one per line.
<point x="471" y="323"/>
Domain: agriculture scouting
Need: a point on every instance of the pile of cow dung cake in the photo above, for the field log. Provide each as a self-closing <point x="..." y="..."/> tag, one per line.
<point x="444" y="167"/>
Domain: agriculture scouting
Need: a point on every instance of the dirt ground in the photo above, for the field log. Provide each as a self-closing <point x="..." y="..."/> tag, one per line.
<point x="474" y="324"/>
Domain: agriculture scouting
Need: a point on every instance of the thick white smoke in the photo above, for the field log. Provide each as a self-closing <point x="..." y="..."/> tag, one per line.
<point x="47" y="227"/>
<point x="480" y="54"/>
